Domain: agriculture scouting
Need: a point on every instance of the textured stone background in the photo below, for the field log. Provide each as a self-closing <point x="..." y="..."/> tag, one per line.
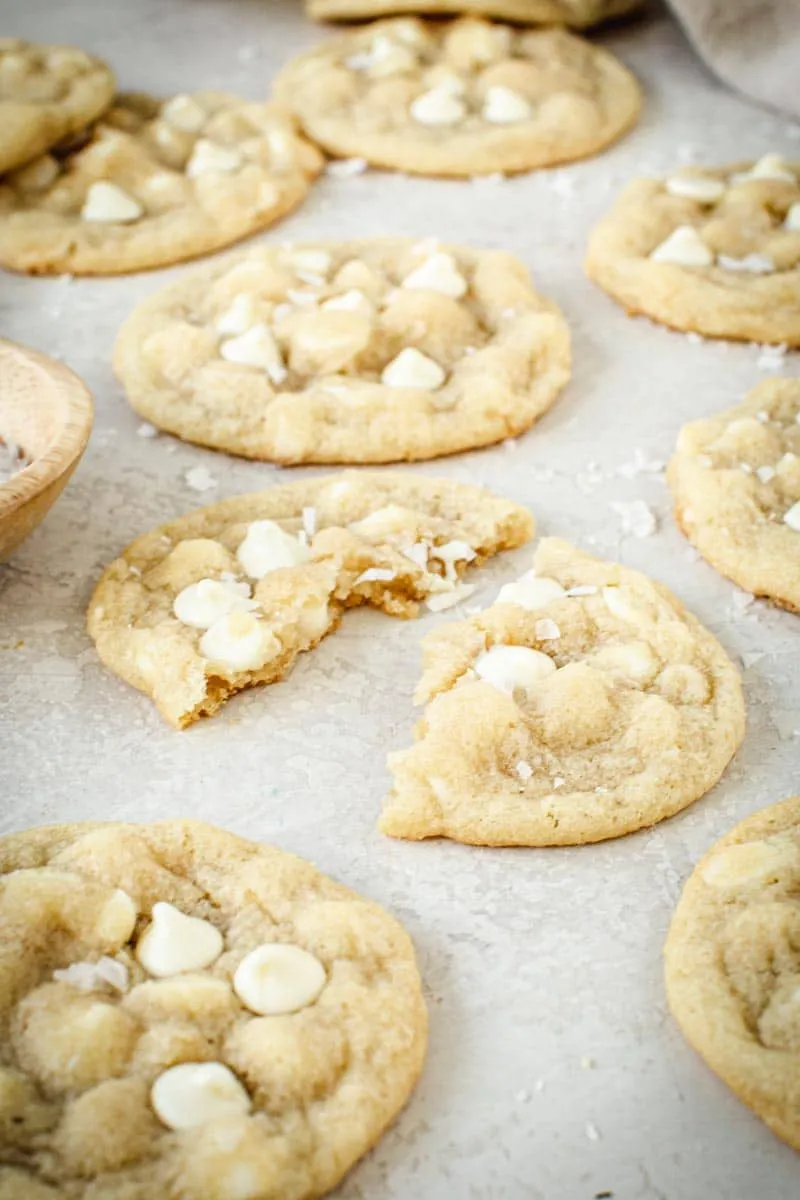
<point x="533" y="960"/>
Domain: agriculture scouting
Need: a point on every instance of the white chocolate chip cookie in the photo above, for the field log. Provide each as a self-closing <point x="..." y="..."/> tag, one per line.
<point x="584" y="704"/>
<point x="353" y="352"/>
<point x="576" y="13"/>
<point x="711" y="251"/>
<point x="261" y="1071"/>
<point x="461" y="98"/>
<point x="47" y="93"/>
<point x="735" y="481"/>
<point x="733" y="963"/>
<point x="228" y="596"/>
<point x="154" y="183"/>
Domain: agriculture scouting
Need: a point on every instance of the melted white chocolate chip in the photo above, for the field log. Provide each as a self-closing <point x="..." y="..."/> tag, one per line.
<point x="514" y="668"/>
<point x="685" y="248"/>
<point x="438" y="273"/>
<point x="201" y="604"/>
<point x="239" y="642"/>
<point x="184" y="113"/>
<point x="107" y="202"/>
<point x="276" y="978"/>
<point x="174" y="942"/>
<point x="503" y="106"/>
<point x="255" y="348"/>
<point x="266" y="547"/>
<point x="208" y="156"/>
<point x="193" y="1094"/>
<point x="413" y="369"/>
<point x="438" y="107"/>
<point x="530" y="592"/>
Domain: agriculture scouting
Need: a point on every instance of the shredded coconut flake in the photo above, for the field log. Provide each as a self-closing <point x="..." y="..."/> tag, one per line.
<point x="146" y="430"/>
<point x="584" y="589"/>
<point x="375" y="575"/>
<point x="88" y="976"/>
<point x="346" y="168"/>
<point x="309" y="521"/>
<point x="524" y="770"/>
<point x="442" y="600"/>
<point x="200" y="479"/>
<point x="547" y="630"/>
<point x="636" y="518"/>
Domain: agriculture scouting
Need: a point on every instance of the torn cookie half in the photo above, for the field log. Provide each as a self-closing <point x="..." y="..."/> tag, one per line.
<point x="584" y="704"/>
<point x="228" y="596"/>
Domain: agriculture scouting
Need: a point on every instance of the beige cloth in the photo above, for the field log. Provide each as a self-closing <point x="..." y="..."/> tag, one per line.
<point x="753" y="45"/>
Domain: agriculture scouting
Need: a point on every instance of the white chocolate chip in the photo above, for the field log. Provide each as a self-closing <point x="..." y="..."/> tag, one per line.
<point x="792" y="517"/>
<point x="117" y="918"/>
<point x="239" y="642"/>
<point x="91" y="976"/>
<point x="37" y="175"/>
<point x="696" y="187"/>
<point x="792" y="221"/>
<point x="384" y="57"/>
<point x="173" y="943"/>
<point x="502" y="106"/>
<point x="256" y="348"/>
<point x="193" y="1094"/>
<point x="413" y="369"/>
<point x="351" y="301"/>
<point x="771" y="166"/>
<point x="201" y="604"/>
<point x="239" y="317"/>
<point x="438" y="273"/>
<point x="184" y="113"/>
<point x="438" y="107"/>
<point x="107" y="202"/>
<point x="275" y="978"/>
<point x="530" y="592"/>
<point x="318" y="262"/>
<point x="685" y="248"/>
<point x="266" y="547"/>
<point x="751" y="264"/>
<point x="208" y="156"/>
<point x="514" y="668"/>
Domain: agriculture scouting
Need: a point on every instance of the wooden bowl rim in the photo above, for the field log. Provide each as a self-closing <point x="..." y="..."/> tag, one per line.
<point x="70" y="439"/>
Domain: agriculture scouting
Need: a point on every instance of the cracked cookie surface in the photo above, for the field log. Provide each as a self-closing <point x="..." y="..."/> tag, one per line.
<point x="154" y="183"/>
<point x="186" y="1013"/>
<point x="228" y="596"/>
<point x="735" y="482"/>
<point x="579" y="14"/>
<point x="733" y="963"/>
<point x="462" y="98"/>
<point x="584" y="704"/>
<point x="47" y="93"/>
<point x="366" y="351"/>
<point x="711" y="251"/>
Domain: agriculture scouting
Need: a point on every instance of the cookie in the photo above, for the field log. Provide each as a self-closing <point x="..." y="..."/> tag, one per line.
<point x="711" y="251"/>
<point x="186" y="1013"/>
<point x="460" y="98"/>
<point x="735" y="482"/>
<point x="584" y="704"/>
<point x="579" y="14"/>
<point x="154" y="183"/>
<point x="228" y="596"/>
<point x="733" y="968"/>
<point x="47" y="93"/>
<point x="349" y="352"/>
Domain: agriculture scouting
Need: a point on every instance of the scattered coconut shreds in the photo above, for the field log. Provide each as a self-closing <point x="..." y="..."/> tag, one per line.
<point x="246" y="53"/>
<point x="146" y="430"/>
<point x="749" y="659"/>
<point x="309" y="522"/>
<point x="587" y="1063"/>
<point x="442" y="600"/>
<point x="523" y="1096"/>
<point x="539" y="1085"/>
<point x="375" y="575"/>
<point x="547" y="630"/>
<point x="641" y="465"/>
<point x="695" y="338"/>
<point x="637" y="519"/>
<point x="592" y="1132"/>
<point x="346" y="168"/>
<point x="558" y="782"/>
<point x="772" y="358"/>
<point x="200" y="479"/>
<point x="741" y="602"/>
<point x="88" y="976"/>
<point x="524" y="770"/>
<point x="584" y="589"/>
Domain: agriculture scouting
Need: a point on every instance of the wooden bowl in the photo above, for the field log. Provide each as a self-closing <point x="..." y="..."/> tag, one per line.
<point x="47" y="411"/>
